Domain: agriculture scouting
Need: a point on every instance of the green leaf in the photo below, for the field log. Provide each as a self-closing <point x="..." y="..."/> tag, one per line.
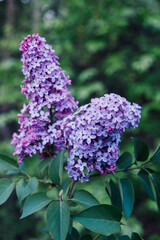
<point x="156" y="182"/>
<point x="136" y="236"/>
<point x="74" y="235"/>
<point x="21" y="166"/>
<point x="56" y="169"/>
<point x="11" y="172"/>
<point x="103" y="219"/>
<point x="45" y="229"/>
<point x="156" y="156"/>
<point x="44" y="163"/>
<point x="115" y="195"/>
<point x="124" y="160"/>
<point x="86" y="237"/>
<point x="34" y="203"/>
<point x="58" y="218"/>
<point x="7" y="163"/>
<point x="65" y="185"/>
<point x="32" y="239"/>
<point x="141" y="151"/>
<point x="146" y="182"/>
<point x="26" y="187"/>
<point x="127" y="195"/>
<point x="85" y="198"/>
<point x="111" y="237"/>
<point x="125" y="237"/>
<point x="6" y="188"/>
<point x="70" y="226"/>
<point x="108" y="189"/>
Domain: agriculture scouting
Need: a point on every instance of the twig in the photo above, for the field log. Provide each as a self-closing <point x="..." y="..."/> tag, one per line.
<point x="70" y="189"/>
<point x="125" y="169"/>
<point x="138" y="167"/>
<point x="96" y="237"/>
<point x="51" y="236"/>
<point x="44" y="181"/>
<point x="25" y="174"/>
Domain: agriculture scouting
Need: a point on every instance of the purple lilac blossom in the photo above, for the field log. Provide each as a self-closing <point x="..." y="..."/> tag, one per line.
<point x="45" y="86"/>
<point x="92" y="134"/>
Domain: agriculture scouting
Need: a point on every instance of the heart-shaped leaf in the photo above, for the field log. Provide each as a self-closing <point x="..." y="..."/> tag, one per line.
<point x="34" y="203"/>
<point x="7" y="163"/>
<point x="6" y="188"/>
<point x="58" y="218"/>
<point x="103" y="219"/>
<point x="56" y="169"/>
<point x="146" y="182"/>
<point x="26" y="187"/>
<point x="124" y="160"/>
<point x="141" y="151"/>
<point x="127" y="195"/>
<point x="85" y="198"/>
<point x="115" y="195"/>
<point x="44" y="163"/>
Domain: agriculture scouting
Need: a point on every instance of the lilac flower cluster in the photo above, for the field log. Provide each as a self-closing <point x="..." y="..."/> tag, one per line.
<point x="49" y="98"/>
<point x="92" y="134"/>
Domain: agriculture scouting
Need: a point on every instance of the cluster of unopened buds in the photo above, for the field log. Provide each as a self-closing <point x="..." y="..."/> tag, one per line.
<point x="91" y="133"/>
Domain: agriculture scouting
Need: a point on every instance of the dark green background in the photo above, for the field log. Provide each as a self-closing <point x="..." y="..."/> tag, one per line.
<point x="105" y="46"/>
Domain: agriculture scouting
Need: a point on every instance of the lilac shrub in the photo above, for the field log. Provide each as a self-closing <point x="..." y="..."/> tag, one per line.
<point x="52" y="123"/>
<point x="49" y="98"/>
<point x="92" y="134"/>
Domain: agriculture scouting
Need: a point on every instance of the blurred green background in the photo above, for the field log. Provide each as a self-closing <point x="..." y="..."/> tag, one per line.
<point x="105" y="46"/>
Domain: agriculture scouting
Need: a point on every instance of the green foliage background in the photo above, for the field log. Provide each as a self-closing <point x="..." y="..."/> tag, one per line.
<point x="105" y="46"/>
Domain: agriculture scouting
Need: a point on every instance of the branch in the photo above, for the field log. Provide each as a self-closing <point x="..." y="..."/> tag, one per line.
<point x="70" y="189"/>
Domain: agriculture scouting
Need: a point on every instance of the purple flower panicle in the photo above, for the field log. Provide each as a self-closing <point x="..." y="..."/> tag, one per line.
<point x="45" y="86"/>
<point x="92" y="134"/>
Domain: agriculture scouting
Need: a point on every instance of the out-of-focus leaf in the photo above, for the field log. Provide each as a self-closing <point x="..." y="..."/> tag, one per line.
<point x="108" y="189"/>
<point x="141" y="151"/>
<point x="103" y="219"/>
<point x="156" y="156"/>
<point x="12" y="172"/>
<point x="6" y="188"/>
<point x="125" y="237"/>
<point x="65" y="185"/>
<point x="26" y="187"/>
<point x="136" y="236"/>
<point x="74" y="235"/>
<point x="111" y="237"/>
<point x="45" y="229"/>
<point x="115" y="195"/>
<point x="58" y="218"/>
<point x="124" y="160"/>
<point x="34" y="203"/>
<point x="56" y="169"/>
<point x="156" y="182"/>
<point x="85" y="198"/>
<point x="146" y="182"/>
<point x="87" y="74"/>
<point x="127" y="195"/>
<point x="7" y="163"/>
<point x="21" y="166"/>
<point x="86" y="237"/>
<point x="44" y="163"/>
